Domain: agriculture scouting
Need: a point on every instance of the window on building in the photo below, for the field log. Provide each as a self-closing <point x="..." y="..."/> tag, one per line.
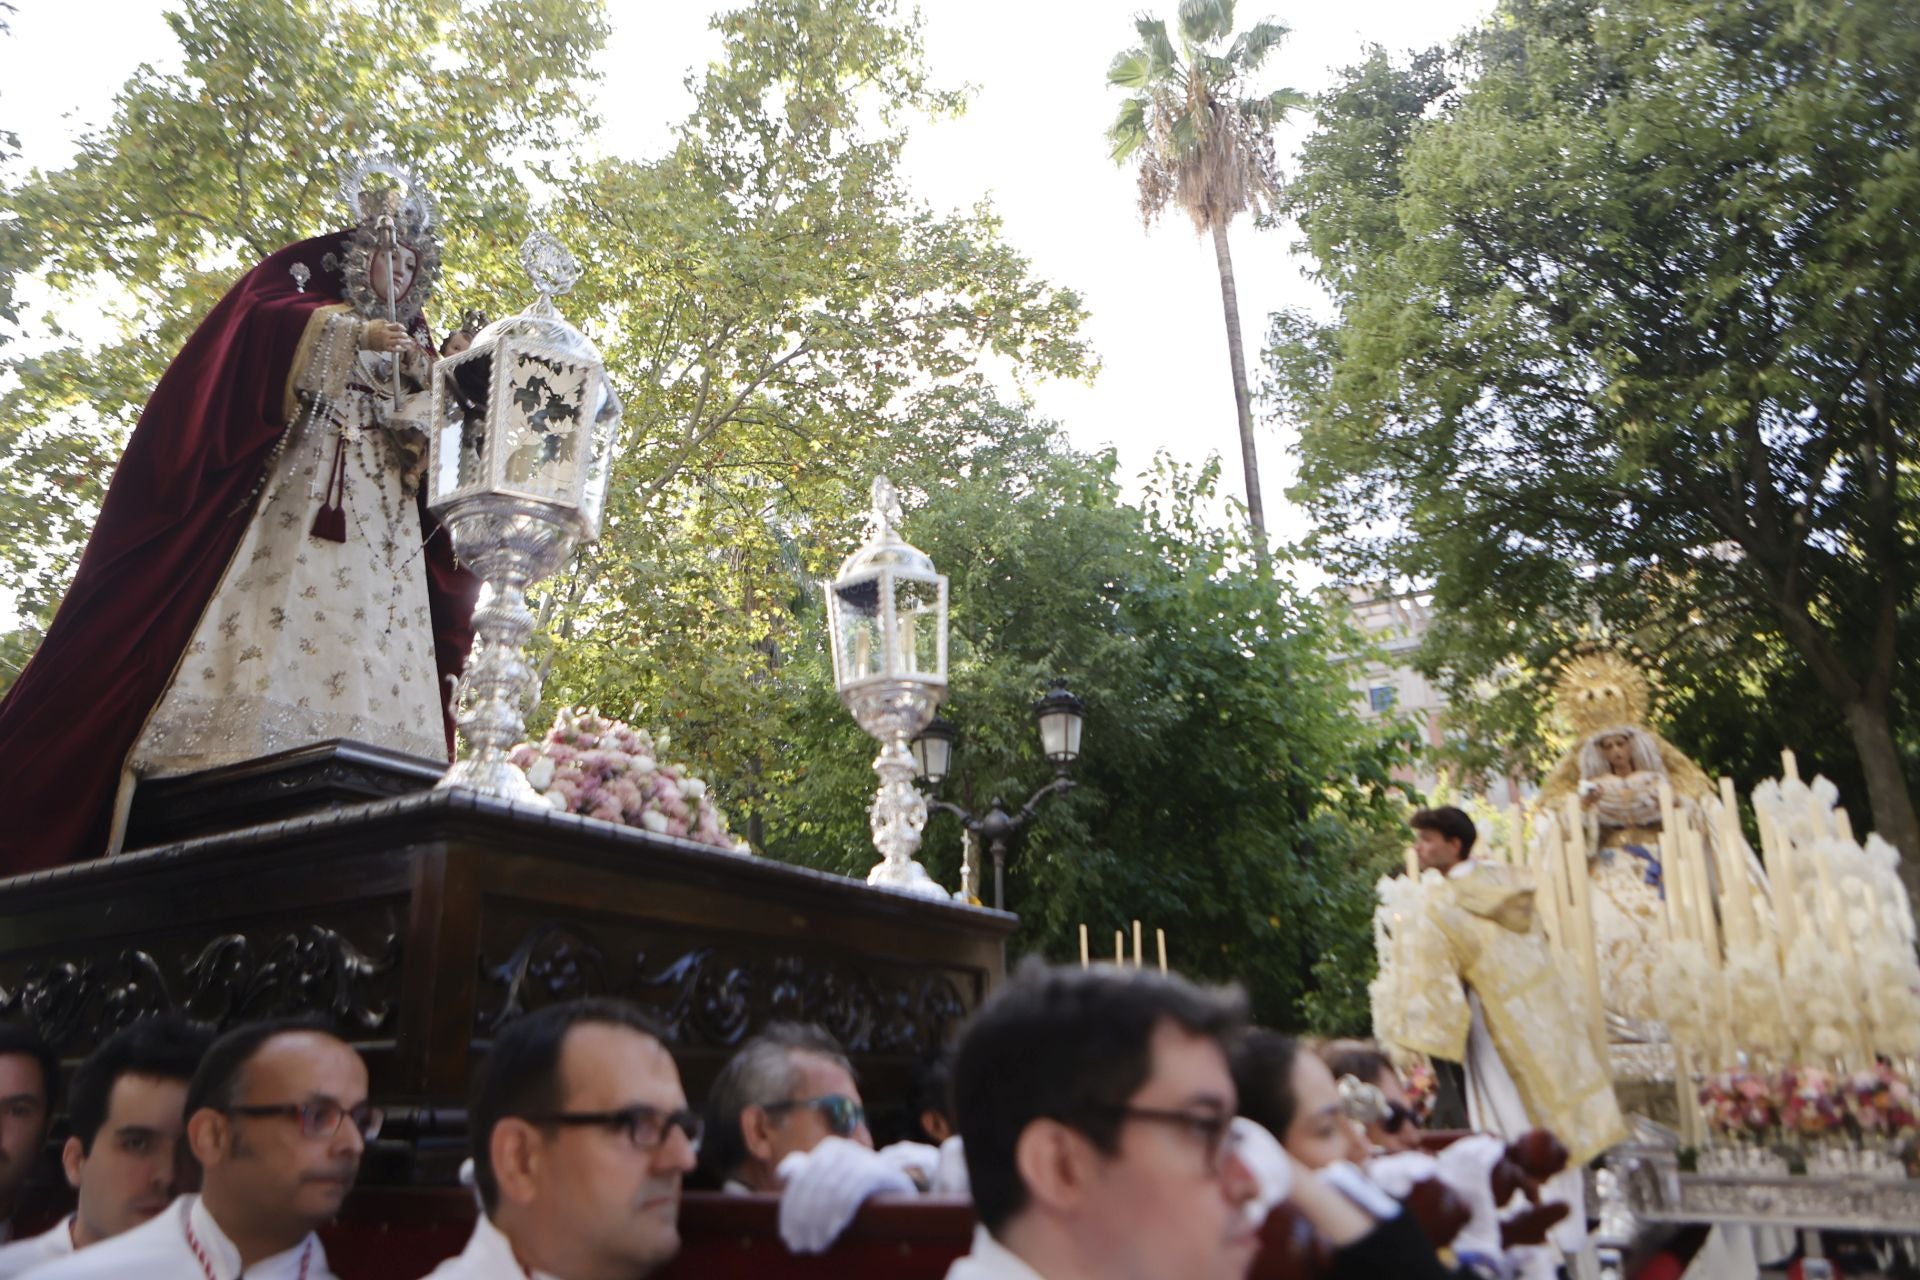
<point x="1382" y="697"/>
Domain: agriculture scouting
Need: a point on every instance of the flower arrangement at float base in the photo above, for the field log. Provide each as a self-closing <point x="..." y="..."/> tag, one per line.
<point x="600" y="768"/>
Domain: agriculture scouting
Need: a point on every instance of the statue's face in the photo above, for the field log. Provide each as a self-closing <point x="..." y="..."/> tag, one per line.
<point x="1618" y="750"/>
<point x="391" y="287"/>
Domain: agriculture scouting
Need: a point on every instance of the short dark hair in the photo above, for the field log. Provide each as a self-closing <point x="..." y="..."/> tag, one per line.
<point x="216" y="1083"/>
<point x="1450" y="823"/>
<point x="930" y="1088"/>
<point x="165" y="1046"/>
<point x="21" y="1040"/>
<point x="521" y="1074"/>
<point x="759" y="1074"/>
<point x="1263" y="1076"/>
<point x="1071" y="1045"/>
<point x="1358" y="1059"/>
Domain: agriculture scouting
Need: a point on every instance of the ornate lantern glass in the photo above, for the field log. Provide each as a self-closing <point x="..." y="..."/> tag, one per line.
<point x="1061" y="717"/>
<point x="887" y="625"/>
<point x="524" y="427"/>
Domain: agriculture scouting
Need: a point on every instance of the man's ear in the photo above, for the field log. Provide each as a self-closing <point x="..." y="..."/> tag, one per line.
<point x="756" y="1132"/>
<point x="73" y="1158"/>
<point x="1055" y="1163"/>
<point x="519" y="1157"/>
<point x="207" y="1132"/>
<point x="934" y="1124"/>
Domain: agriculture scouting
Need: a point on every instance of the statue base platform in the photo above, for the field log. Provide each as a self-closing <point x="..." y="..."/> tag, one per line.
<point x="419" y="925"/>
<point x="1653" y="1188"/>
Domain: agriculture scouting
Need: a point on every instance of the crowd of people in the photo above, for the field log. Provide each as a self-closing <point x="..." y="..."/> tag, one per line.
<point x="1104" y="1122"/>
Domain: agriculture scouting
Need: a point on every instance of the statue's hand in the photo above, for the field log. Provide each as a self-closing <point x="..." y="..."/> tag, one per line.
<point x="384" y="335"/>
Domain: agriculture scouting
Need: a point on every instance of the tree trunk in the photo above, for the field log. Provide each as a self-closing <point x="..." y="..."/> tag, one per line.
<point x="1242" y="396"/>
<point x="1893" y="812"/>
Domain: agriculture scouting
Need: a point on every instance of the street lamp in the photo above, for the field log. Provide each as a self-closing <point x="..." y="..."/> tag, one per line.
<point x="1060" y="717"/>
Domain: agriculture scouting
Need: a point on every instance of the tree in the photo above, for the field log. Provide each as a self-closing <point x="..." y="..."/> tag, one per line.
<point x="1629" y="320"/>
<point x="217" y="165"/>
<point x="1204" y="142"/>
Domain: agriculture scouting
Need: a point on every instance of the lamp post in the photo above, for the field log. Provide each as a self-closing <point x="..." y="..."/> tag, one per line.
<point x="520" y="445"/>
<point x="1060" y="717"/>
<point x="887" y="623"/>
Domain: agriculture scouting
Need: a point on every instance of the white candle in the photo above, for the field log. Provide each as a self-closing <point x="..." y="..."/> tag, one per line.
<point x="1120" y="946"/>
<point x="1085" y="960"/>
<point x="1160" y="939"/>
<point x="1136" y="944"/>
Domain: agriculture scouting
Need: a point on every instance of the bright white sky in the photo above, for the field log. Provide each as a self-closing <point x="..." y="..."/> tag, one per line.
<point x="1031" y="142"/>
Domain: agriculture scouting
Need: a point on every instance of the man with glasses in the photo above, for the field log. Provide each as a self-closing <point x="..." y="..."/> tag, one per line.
<point x="1098" y="1112"/>
<point x="277" y="1119"/>
<point x="127" y="1115"/>
<point x="581" y="1135"/>
<point x="783" y="1092"/>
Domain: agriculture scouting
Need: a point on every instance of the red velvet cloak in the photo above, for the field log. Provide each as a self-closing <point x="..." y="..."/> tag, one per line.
<point x="173" y="516"/>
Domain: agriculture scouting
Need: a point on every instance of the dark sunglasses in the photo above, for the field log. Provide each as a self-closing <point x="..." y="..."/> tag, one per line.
<point x="320" y="1118"/>
<point x="645" y="1127"/>
<point x="842" y="1113"/>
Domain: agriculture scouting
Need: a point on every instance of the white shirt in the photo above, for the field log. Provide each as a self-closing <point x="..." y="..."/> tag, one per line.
<point x="159" y="1250"/>
<point x="22" y="1256"/>
<point x="990" y="1260"/>
<point x="488" y="1256"/>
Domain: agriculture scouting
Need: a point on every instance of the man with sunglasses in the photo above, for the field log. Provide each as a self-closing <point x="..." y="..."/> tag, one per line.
<point x="277" y="1119"/>
<point x="581" y="1135"/>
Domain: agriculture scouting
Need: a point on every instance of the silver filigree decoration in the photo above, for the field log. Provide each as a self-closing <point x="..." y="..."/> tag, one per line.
<point x="407" y="201"/>
<point x="548" y="264"/>
<point x="405" y="211"/>
<point x="301" y="273"/>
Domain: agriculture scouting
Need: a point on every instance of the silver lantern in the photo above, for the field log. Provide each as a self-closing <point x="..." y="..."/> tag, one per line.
<point x="524" y="429"/>
<point x="887" y="621"/>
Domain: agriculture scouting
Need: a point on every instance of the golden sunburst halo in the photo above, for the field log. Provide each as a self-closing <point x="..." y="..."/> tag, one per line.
<point x="1599" y="688"/>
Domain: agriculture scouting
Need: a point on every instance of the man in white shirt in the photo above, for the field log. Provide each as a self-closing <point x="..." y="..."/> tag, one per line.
<point x="29" y="1090"/>
<point x="277" y="1118"/>
<point x="127" y="1113"/>
<point x="1097" y="1109"/>
<point x="581" y="1136"/>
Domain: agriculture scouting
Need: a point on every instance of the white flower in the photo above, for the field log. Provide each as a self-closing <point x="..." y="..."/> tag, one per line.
<point x="642" y="766"/>
<point x="558" y="800"/>
<point x="654" y="822"/>
<point x="540" y="774"/>
<point x="692" y="788"/>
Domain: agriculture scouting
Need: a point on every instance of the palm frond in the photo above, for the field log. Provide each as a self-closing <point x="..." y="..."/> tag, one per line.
<point x="1204" y="21"/>
<point x="1161" y="57"/>
<point x="1128" y="132"/>
<point x="1251" y="47"/>
<point x="1130" y="70"/>
<point x="1273" y="108"/>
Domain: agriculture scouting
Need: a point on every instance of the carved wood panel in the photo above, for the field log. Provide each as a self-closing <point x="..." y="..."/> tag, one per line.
<point x="224" y="975"/>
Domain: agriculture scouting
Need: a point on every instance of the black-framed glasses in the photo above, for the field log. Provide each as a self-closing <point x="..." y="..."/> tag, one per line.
<point x="1214" y="1130"/>
<point x="844" y="1116"/>
<point x="321" y="1117"/>
<point x="1399" y="1117"/>
<point x="645" y="1127"/>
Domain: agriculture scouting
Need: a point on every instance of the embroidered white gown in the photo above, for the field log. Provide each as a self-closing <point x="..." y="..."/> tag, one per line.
<point x="306" y="639"/>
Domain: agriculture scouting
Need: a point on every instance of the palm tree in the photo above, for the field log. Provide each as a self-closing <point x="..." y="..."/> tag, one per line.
<point x="1204" y="142"/>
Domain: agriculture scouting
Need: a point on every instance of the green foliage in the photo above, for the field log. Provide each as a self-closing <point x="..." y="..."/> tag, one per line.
<point x="205" y="170"/>
<point x="1229" y="792"/>
<point x="1629" y="323"/>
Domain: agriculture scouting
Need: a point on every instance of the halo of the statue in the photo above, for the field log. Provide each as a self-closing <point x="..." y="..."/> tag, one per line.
<point x="1599" y="687"/>
<point x="411" y="209"/>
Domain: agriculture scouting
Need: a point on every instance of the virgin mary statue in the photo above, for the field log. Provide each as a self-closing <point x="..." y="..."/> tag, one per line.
<point x="1615" y="770"/>
<point x="263" y="574"/>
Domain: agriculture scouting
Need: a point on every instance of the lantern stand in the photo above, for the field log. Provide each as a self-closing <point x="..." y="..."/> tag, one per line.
<point x="887" y="626"/>
<point x="1061" y="717"/>
<point x="523" y="430"/>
